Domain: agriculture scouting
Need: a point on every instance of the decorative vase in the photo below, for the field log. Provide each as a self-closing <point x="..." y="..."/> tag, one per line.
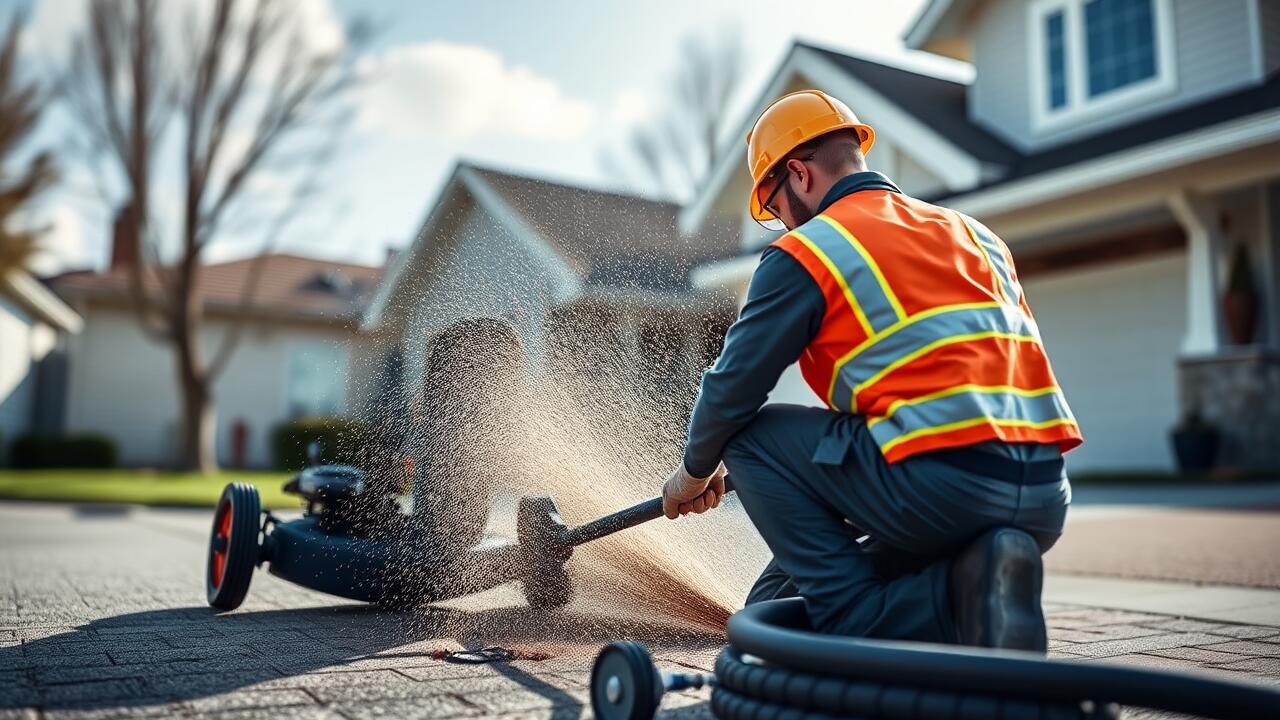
<point x="1240" y="313"/>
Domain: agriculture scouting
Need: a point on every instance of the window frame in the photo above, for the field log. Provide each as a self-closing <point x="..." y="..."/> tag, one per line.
<point x="1080" y="106"/>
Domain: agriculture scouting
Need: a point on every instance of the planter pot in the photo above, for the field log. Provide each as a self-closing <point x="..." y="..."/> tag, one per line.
<point x="1240" y="314"/>
<point x="1195" y="448"/>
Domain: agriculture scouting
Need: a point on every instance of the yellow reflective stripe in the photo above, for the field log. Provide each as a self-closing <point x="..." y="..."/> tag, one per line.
<point x="871" y="263"/>
<point x="986" y="389"/>
<point x="972" y="422"/>
<point x="995" y="274"/>
<point x="839" y="278"/>
<point x="905" y="322"/>
<point x="934" y="346"/>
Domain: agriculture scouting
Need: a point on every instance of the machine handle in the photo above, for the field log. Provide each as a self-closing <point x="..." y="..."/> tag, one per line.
<point x="627" y="518"/>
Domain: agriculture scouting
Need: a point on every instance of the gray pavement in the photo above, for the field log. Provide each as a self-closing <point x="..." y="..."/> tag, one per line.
<point x="102" y="615"/>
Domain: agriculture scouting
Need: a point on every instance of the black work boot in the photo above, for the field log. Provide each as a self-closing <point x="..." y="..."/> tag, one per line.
<point x="995" y="592"/>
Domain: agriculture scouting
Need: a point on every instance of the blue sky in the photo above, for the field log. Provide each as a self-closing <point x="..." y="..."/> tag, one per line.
<point x="538" y="87"/>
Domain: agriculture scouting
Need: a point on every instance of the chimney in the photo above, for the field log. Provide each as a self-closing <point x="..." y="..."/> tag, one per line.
<point x="124" y="242"/>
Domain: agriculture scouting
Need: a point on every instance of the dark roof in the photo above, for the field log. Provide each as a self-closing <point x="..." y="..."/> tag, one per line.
<point x="941" y="104"/>
<point x="608" y="239"/>
<point x="1182" y="120"/>
<point x="290" y="285"/>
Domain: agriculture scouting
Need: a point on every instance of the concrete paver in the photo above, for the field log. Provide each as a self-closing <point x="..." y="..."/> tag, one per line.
<point x="103" y="616"/>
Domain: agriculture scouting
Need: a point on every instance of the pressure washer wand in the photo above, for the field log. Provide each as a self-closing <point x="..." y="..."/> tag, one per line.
<point x="621" y="520"/>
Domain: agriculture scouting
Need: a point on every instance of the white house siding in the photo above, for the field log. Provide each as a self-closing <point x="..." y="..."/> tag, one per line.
<point x="23" y="342"/>
<point x="123" y="384"/>
<point x="475" y="267"/>
<point x="1213" y="44"/>
<point x="1113" y="335"/>
<point x="1269" y="20"/>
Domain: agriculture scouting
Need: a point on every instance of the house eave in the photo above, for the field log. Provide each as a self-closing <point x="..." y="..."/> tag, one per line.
<point x="1160" y="156"/>
<point x="40" y="301"/>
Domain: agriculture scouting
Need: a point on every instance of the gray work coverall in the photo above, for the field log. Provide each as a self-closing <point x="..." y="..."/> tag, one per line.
<point x="814" y="482"/>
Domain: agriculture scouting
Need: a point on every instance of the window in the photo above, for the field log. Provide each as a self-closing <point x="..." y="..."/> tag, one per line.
<point x="1056" y="59"/>
<point x="1120" y="37"/>
<point x="1093" y="57"/>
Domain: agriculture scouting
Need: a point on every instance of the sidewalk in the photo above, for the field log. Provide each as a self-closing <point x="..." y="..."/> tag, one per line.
<point x="102" y="615"/>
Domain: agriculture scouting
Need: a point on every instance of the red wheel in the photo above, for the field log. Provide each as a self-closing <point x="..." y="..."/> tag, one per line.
<point x="233" y="546"/>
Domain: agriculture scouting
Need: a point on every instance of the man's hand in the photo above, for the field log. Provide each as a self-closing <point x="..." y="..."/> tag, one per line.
<point x="683" y="494"/>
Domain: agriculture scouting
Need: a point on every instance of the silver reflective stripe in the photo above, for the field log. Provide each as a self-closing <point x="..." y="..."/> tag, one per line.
<point x="993" y="249"/>
<point x="858" y="269"/>
<point x="920" y="334"/>
<point x="966" y="406"/>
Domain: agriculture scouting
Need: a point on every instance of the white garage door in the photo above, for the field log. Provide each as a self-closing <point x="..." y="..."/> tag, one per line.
<point x="1113" y="333"/>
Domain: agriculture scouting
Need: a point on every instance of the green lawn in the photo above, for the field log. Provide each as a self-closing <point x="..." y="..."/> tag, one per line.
<point x="141" y="487"/>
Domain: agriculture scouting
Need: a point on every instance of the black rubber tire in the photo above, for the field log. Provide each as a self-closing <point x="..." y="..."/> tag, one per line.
<point x="238" y="537"/>
<point x="639" y="684"/>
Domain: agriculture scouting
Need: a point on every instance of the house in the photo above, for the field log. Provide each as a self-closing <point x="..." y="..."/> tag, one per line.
<point x="1125" y="149"/>
<point x="594" y="282"/>
<point x="34" y="323"/>
<point x="300" y="338"/>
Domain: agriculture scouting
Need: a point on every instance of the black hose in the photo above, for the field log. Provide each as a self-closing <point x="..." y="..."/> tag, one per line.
<point x="904" y="677"/>
<point x="861" y="698"/>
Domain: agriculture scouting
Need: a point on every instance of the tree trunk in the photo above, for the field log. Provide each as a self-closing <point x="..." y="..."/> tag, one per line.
<point x="198" y="427"/>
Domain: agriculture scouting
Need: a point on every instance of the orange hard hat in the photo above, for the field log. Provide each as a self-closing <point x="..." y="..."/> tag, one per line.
<point x="789" y="122"/>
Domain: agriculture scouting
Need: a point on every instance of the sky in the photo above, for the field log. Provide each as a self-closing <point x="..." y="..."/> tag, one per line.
<point x="542" y="88"/>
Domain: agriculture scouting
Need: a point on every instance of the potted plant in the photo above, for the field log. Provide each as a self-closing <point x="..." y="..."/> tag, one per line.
<point x="1240" y="301"/>
<point x="1195" y="443"/>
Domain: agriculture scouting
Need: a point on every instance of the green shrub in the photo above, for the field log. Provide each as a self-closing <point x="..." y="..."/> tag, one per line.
<point x="342" y="441"/>
<point x="87" y="450"/>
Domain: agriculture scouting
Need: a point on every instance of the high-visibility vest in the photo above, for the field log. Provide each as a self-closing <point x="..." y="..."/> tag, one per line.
<point x="927" y="332"/>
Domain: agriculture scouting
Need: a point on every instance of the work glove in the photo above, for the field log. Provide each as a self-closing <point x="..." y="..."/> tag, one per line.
<point x="683" y="493"/>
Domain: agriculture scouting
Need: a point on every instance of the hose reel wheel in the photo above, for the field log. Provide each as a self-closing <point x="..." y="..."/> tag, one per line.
<point x="625" y="684"/>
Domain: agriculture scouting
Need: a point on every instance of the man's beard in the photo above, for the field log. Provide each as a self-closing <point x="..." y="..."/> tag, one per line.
<point x="801" y="212"/>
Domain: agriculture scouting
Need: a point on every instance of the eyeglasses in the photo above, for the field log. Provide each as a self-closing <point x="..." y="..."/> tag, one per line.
<point x="775" y="223"/>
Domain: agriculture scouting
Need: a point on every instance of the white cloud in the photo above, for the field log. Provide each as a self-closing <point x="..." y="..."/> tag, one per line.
<point x="455" y="91"/>
<point x="631" y="107"/>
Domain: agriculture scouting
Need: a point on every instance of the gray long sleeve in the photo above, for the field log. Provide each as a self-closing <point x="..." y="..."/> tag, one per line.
<point x="782" y="315"/>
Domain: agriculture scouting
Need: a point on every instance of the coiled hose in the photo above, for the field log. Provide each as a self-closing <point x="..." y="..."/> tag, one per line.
<point x="776" y="668"/>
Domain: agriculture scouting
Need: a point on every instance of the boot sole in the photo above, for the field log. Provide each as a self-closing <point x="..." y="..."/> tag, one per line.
<point x="1019" y="576"/>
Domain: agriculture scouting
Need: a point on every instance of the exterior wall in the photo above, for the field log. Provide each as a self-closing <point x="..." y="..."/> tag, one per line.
<point x="1269" y="22"/>
<point x="1113" y="334"/>
<point x="1214" y="44"/>
<point x="474" y="268"/>
<point x="24" y="341"/>
<point x="123" y="385"/>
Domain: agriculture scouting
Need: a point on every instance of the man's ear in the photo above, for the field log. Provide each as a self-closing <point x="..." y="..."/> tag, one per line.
<point x="802" y="174"/>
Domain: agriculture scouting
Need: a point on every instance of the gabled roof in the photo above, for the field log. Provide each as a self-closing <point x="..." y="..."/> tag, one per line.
<point x="942" y="28"/>
<point x="943" y="103"/>
<point x="290" y="285"/>
<point x="597" y="240"/>
<point x="606" y="238"/>
<point x="929" y="114"/>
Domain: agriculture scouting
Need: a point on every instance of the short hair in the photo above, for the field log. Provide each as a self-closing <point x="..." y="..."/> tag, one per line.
<point x="833" y="151"/>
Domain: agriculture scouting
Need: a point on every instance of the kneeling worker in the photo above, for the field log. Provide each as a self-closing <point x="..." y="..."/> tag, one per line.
<point x="943" y="438"/>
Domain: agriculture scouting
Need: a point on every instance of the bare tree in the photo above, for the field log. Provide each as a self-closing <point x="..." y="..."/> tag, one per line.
<point x="20" y="105"/>
<point x="677" y="152"/>
<point x="244" y="71"/>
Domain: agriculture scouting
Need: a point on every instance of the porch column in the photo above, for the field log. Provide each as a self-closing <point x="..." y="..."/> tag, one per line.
<point x="1198" y="217"/>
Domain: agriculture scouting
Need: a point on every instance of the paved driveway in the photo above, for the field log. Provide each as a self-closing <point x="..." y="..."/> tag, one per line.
<point x="102" y="615"/>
